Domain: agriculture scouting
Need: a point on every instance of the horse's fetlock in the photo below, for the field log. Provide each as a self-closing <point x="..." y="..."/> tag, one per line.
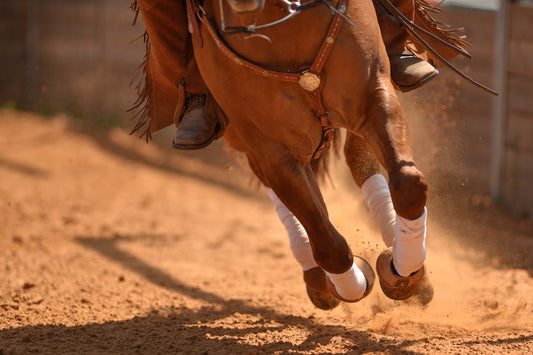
<point x="334" y="261"/>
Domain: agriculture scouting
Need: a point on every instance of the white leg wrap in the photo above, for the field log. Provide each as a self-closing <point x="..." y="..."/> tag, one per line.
<point x="409" y="247"/>
<point x="298" y="239"/>
<point x="377" y="196"/>
<point x="350" y="285"/>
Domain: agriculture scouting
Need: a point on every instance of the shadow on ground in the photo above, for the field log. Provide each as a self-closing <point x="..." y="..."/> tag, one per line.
<point x="214" y="158"/>
<point x="201" y="331"/>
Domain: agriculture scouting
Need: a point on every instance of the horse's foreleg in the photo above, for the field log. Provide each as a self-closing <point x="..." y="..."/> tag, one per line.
<point x="365" y="171"/>
<point x="290" y="182"/>
<point x="298" y="239"/>
<point x="314" y="276"/>
<point x="296" y="187"/>
<point x="387" y="133"/>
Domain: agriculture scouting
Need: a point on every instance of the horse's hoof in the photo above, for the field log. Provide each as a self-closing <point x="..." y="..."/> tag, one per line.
<point x="397" y="287"/>
<point x="367" y="271"/>
<point x="424" y="291"/>
<point x="317" y="290"/>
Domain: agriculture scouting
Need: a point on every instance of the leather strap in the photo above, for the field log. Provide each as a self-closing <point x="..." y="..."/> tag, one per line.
<point x="316" y="95"/>
<point x="194" y="22"/>
<point x="329" y="41"/>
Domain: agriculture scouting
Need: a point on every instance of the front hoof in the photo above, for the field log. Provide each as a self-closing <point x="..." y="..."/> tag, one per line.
<point x="397" y="287"/>
<point x="317" y="290"/>
<point x="367" y="271"/>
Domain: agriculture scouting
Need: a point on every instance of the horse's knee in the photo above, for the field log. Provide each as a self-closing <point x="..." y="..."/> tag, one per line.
<point x="409" y="190"/>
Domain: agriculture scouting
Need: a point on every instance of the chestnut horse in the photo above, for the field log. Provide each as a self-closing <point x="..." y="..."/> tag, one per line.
<point x="281" y="106"/>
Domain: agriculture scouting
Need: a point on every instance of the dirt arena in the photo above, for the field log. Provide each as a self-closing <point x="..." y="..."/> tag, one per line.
<point x="110" y="245"/>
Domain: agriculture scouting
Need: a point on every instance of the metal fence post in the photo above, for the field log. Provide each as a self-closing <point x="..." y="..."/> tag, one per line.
<point x="32" y="53"/>
<point x="500" y="102"/>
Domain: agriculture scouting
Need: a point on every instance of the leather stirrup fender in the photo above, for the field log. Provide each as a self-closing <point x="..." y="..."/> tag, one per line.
<point x="193" y="21"/>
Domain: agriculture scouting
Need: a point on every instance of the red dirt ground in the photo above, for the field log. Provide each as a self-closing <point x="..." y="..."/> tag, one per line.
<point x="109" y="245"/>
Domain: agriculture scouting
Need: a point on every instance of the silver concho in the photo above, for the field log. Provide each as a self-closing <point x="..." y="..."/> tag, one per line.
<point x="309" y="81"/>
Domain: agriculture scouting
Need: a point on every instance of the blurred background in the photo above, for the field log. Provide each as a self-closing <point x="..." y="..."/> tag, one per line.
<point x="78" y="57"/>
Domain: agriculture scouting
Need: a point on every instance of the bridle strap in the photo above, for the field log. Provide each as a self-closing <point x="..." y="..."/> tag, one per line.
<point x="316" y="69"/>
<point x="310" y="79"/>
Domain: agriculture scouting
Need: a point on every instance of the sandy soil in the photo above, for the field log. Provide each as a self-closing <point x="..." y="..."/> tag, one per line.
<point x="109" y="245"/>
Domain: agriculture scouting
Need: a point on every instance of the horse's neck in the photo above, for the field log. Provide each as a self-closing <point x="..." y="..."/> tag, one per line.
<point x="287" y="46"/>
<point x="273" y="10"/>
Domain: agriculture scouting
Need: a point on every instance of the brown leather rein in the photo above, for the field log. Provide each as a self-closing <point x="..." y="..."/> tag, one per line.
<point x="311" y="79"/>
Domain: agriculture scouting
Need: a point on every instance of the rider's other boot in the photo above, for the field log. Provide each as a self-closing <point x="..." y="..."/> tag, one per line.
<point x="197" y="128"/>
<point x="408" y="71"/>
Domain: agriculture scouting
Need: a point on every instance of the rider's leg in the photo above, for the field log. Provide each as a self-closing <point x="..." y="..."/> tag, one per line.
<point x="170" y="64"/>
<point x="407" y="70"/>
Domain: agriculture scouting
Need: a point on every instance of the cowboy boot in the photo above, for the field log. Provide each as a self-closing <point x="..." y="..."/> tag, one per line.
<point x="408" y="71"/>
<point x="197" y="128"/>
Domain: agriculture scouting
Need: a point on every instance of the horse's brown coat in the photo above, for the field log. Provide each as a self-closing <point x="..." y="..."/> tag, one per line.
<point x="272" y="123"/>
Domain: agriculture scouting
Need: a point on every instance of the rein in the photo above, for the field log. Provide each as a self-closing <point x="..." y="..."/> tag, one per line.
<point x="413" y="29"/>
<point x="310" y="78"/>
